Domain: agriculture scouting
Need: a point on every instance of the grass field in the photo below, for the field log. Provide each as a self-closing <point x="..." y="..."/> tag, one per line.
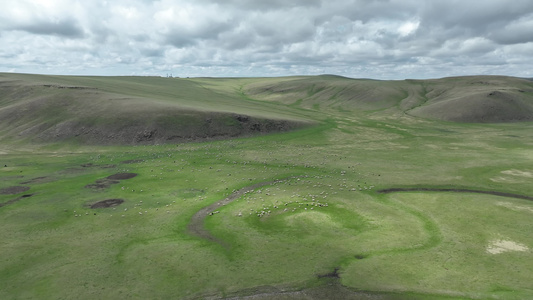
<point x="317" y="225"/>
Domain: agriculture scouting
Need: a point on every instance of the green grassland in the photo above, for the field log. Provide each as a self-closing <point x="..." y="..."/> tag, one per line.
<point x="318" y="226"/>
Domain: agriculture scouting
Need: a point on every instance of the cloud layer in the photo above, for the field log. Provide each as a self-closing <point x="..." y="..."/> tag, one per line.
<point x="382" y="39"/>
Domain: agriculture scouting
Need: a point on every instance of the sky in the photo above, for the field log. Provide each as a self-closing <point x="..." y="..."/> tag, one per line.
<point x="379" y="39"/>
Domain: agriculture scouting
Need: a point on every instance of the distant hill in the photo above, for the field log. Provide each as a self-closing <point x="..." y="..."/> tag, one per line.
<point x="471" y="99"/>
<point x="477" y="99"/>
<point x="150" y="110"/>
<point x="125" y="110"/>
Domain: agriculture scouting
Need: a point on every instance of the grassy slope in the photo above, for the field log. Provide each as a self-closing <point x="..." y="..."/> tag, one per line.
<point x="395" y="246"/>
<point x="485" y="99"/>
<point x="475" y="99"/>
<point x="128" y="110"/>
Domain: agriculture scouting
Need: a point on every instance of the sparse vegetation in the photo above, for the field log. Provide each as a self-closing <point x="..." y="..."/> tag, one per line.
<point x="85" y="220"/>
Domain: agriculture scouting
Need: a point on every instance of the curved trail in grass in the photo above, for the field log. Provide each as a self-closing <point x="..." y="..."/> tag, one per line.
<point x="429" y="225"/>
<point x="196" y="226"/>
<point x="494" y="193"/>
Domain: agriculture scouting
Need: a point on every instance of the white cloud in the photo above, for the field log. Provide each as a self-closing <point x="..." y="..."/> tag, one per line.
<point x="408" y="28"/>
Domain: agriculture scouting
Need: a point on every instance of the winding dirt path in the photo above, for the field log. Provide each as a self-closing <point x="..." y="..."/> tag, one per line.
<point x="495" y="193"/>
<point x="196" y="226"/>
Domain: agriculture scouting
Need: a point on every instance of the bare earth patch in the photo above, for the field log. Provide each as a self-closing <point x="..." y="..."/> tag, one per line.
<point x="107" y="203"/>
<point x="121" y="176"/>
<point x="501" y="246"/>
<point x="12" y="190"/>
<point x="109" y="180"/>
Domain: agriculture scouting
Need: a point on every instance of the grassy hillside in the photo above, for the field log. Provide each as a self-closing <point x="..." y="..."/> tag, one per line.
<point x="148" y="110"/>
<point x="128" y="110"/>
<point x="475" y="99"/>
<point x="482" y="99"/>
<point x="378" y="199"/>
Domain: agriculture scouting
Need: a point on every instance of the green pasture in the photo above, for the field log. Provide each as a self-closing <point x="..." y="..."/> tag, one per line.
<point x="321" y="228"/>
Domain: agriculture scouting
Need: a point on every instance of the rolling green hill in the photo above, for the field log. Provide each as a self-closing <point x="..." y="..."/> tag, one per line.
<point x="148" y="110"/>
<point x="474" y="99"/>
<point x="413" y="189"/>
<point x="477" y="99"/>
<point x="128" y="110"/>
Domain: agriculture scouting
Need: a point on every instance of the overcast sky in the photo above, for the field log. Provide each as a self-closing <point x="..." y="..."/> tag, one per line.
<point x="381" y="39"/>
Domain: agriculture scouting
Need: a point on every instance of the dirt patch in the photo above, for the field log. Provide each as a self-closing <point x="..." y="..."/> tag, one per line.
<point x="107" y="203"/>
<point x="12" y="190"/>
<point x="500" y="246"/>
<point x="121" y="176"/>
<point x="109" y="180"/>
<point x="495" y="193"/>
<point x="15" y="200"/>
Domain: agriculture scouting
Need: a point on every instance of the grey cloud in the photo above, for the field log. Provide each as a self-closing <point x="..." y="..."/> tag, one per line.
<point x="516" y="32"/>
<point x="66" y="28"/>
<point x="365" y="38"/>
<point x="262" y="5"/>
<point x="182" y="37"/>
<point x="152" y="52"/>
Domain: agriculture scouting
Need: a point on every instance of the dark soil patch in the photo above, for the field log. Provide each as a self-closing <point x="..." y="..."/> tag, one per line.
<point x="121" y="176"/>
<point x="495" y="193"/>
<point x="334" y="274"/>
<point x="107" y="203"/>
<point x="109" y="180"/>
<point x="360" y="256"/>
<point x="132" y="161"/>
<point x="12" y="190"/>
<point x="15" y="200"/>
